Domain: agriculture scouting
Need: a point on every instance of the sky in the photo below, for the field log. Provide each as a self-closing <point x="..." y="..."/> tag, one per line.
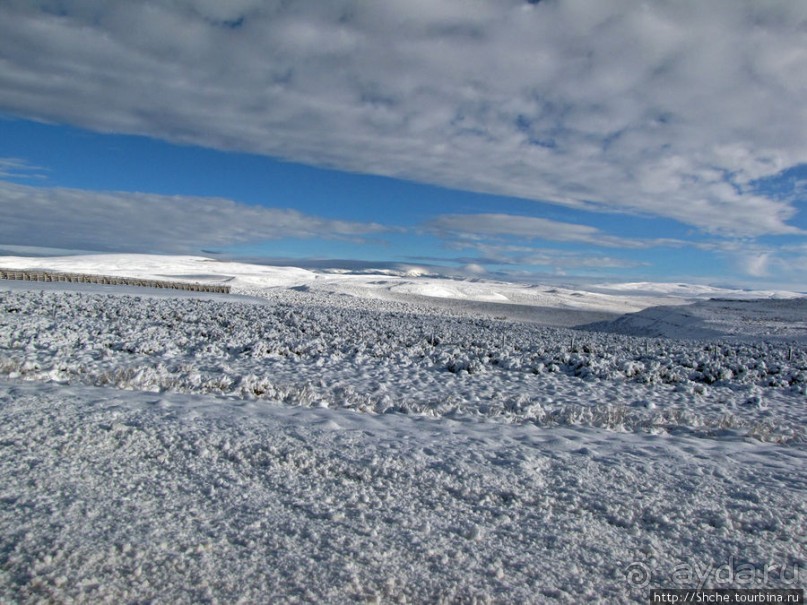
<point x="617" y="140"/>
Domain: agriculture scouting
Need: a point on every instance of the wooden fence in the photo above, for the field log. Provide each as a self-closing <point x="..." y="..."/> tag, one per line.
<point x="82" y="278"/>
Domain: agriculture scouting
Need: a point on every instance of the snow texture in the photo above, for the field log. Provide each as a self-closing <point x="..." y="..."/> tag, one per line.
<point x="330" y="439"/>
<point x="130" y="497"/>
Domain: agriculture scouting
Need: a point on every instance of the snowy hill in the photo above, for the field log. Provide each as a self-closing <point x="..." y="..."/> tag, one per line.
<point x="747" y="319"/>
<point x="692" y="291"/>
<point x="570" y="306"/>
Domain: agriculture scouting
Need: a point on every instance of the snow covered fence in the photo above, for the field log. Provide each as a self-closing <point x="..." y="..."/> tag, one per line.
<point x="54" y="276"/>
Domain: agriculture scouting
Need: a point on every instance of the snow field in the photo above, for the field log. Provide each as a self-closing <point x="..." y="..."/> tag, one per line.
<point x="111" y="496"/>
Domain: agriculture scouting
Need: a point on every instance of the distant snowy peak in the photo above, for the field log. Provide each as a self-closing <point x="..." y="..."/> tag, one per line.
<point x="403" y="271"/>
<point x="443" y="288"/>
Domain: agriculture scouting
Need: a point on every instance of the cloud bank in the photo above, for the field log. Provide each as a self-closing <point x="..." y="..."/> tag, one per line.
<point x="138" y="222"/>
<point x="672" y="109"/>
<point x="470" y="228"/>
<point x="504" y="239"/>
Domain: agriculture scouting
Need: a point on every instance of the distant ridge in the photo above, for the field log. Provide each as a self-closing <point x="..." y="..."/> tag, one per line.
<point x="783" y="319"/>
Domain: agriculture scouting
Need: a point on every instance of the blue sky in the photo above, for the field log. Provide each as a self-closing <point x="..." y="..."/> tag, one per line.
<point x="557" y="140"/>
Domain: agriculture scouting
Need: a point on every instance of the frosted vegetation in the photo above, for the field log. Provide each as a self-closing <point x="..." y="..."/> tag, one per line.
<point x="382" y="356"/>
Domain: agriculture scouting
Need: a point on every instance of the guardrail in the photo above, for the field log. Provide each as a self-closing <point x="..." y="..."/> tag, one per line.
<point x="83" y="278"/>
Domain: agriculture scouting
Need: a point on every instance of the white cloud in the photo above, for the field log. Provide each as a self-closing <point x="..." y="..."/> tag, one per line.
<point x="16" y="168"/>
<point x="483" y="226"/>
<point x="671" y="109"/>
<point x="139" y="222"/>
<point x="554" y="260"/>
<point x="758" y="263"/>
<point x="494" y="253"/>
<point x="469" y="228"/>
<point x="474" y="269"/>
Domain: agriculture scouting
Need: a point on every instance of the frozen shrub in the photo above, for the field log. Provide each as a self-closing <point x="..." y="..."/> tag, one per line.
<point x="303" y="350"/>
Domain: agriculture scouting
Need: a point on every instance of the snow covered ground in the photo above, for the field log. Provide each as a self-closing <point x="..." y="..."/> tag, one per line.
<point x="382" y="438"/>
<point x="521" y="301"/>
